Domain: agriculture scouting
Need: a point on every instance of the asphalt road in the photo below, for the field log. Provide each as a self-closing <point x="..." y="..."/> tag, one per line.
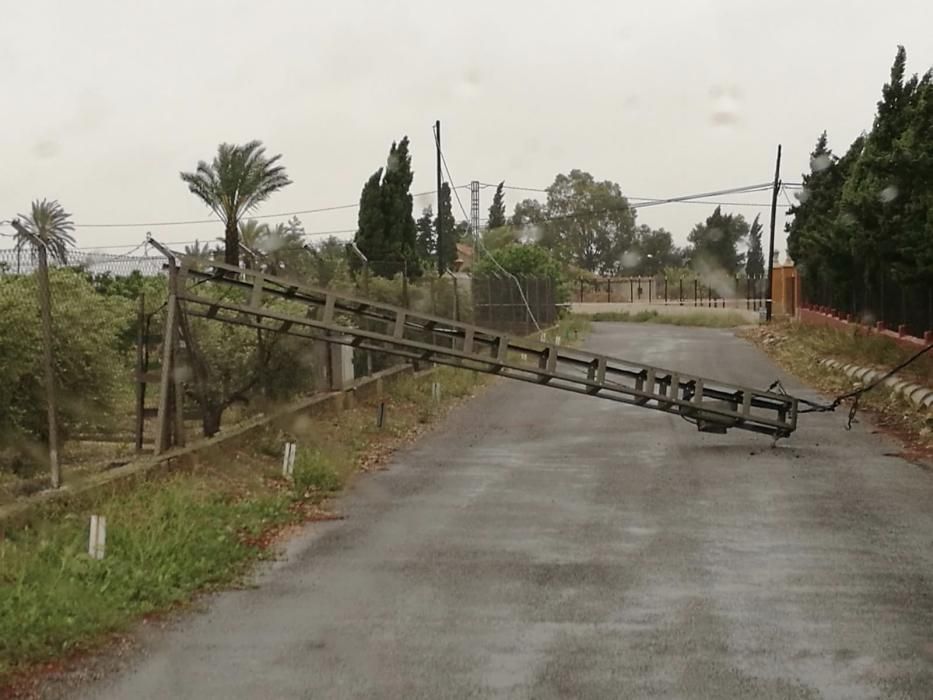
<point x="544" y="545"/>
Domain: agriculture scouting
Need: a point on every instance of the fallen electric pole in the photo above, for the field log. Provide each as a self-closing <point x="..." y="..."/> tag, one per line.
<point x="328" y="315"/>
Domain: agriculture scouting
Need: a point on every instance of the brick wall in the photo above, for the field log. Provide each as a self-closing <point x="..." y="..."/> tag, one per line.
<point x="823" y="316"/>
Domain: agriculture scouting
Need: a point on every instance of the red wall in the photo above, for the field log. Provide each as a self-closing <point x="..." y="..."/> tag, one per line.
<point x="822" y="316"/>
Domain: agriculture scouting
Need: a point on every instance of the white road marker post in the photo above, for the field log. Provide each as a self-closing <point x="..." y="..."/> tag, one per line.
<point x="288" y="460"/>
<point x="436" y="392"/>
<point x="97" y="541"/>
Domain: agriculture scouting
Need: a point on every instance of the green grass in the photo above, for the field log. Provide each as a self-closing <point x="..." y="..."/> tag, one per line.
<point x="804" y="344"/>
<point x="318" y="472"/>
<point x="574" y="328"/>
<point x="165" y="540"/>
<point x="198" y="528"/>
<point x="725" y="319"/>
<point x="798" y="348"/>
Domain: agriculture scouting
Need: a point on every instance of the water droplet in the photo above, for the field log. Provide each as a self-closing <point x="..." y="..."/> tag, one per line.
<point x="630" y="258"/>
<point x="803" y="195"/>
<point x="47" y="148"/>
<point x="715" y="234"/>
<point x="888" y="194"/>
<point x="820" y="162"/>
<point x="726" y="104"/>
<point x="531" y="233"/>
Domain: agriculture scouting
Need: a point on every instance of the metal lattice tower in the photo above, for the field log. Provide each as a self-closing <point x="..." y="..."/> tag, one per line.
<point x="474" y="211"/>
<point x="330" y="316"/>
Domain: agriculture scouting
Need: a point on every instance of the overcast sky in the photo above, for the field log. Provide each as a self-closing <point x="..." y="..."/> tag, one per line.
<point x="106" y="101"/>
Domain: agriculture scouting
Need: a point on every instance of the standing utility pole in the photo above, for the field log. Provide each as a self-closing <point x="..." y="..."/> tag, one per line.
<point x="474" y="214"/>
<point x="440" y="219"/>
<point x="774" y="195"/>
<point x="45" y="307"/>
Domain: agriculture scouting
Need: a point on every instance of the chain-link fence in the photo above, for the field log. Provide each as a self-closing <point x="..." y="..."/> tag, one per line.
<point x="96" y="301"/>
<point x="517" y="305"/>
<point x="877" y="297"/>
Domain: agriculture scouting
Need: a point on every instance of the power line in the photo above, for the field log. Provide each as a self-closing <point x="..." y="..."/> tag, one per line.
<point x="196" y="222"/>
<point x="663" y="200"/>
<point x="479" y="242"/>
<point x="196" y="240"/>
<point x="640" y="205"/>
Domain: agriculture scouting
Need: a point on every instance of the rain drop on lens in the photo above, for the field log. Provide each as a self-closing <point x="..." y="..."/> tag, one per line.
<point x="820" y="163"/>
<point x="888" y="194"/>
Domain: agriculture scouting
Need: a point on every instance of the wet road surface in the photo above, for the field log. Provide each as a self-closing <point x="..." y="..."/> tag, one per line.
<point x="545" y="545"/>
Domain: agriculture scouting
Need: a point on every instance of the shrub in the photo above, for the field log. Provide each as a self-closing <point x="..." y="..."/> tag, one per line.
<point x="88" y="363"/>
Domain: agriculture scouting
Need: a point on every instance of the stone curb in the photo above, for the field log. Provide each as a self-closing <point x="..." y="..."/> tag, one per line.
<point x="919" y="396"/>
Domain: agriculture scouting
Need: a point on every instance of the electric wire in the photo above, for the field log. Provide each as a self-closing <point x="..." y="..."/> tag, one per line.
<point x="479" y="242"/>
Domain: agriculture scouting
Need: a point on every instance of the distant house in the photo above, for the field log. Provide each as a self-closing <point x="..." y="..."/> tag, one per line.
<point x="464" y="261"/>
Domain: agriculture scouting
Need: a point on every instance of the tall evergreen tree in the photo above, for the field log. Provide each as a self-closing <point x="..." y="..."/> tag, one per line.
<point x="870" y="213"/>
<point x="497" y="209"/>
<point x="445" y="222"/>
<point x="386" y="232"/>
<point x="913" y="199"/>
<point x="427" y="241"/>
<point x="872" y="204"/>
<point x="755" y="258"/>
<point x="370" y="233"/>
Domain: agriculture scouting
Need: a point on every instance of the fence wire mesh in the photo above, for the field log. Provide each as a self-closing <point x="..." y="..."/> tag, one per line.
<point x="516" y="305"/>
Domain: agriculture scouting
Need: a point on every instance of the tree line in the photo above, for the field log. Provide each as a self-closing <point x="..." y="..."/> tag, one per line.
<point x="869" y="212"/>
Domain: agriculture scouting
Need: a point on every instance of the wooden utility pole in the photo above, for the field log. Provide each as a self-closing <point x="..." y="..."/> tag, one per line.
<point x="45" y="309"/>
<point x="774" y="196"/>
<point x="439" y="219"/>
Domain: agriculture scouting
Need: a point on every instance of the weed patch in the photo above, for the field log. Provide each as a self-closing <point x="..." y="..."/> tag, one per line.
<point x="725" y="319"/>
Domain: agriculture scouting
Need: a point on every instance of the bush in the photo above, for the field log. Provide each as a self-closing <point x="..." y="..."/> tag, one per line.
<point x="314" y="471"/>
<point x="87" y="356"/>
<point x="236" y="364"/>
<point x="525" y="261"/>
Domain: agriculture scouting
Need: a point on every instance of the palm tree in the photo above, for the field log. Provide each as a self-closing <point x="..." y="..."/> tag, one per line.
<point x="252" y="234"/>
<point x="238" y="180"/>
<point x="200" y="251"/>
<point x="49" y="226"/>
<point x="283" y="248"/>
